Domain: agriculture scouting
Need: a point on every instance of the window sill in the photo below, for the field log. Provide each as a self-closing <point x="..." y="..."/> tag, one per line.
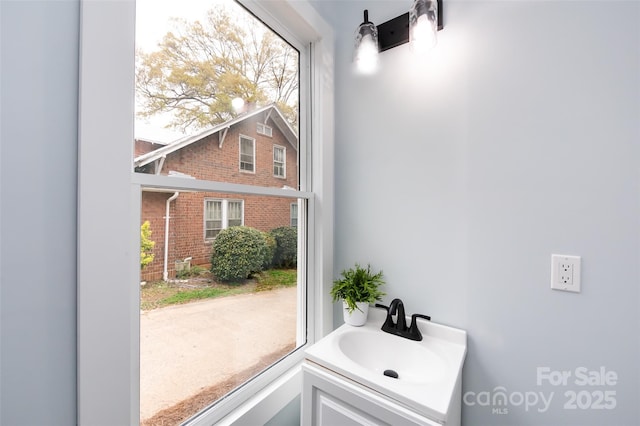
<point x="267" y="402"/>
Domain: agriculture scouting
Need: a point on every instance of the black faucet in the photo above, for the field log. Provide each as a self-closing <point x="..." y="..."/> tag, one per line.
<point x="399" y="328"/>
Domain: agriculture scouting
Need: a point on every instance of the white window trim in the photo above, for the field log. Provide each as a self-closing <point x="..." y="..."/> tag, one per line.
<point x="284" y="161"/>
<point x="263" y="129"/>
<point x="253" y="142"/>
<point x="108" y="316"/>
<point x="225" y="214"/>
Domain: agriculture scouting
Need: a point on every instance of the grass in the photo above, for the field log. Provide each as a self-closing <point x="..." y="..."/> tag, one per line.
<point x="276" y="278"/>
<point x="203" y="286"/>
<point x="205" y="293"/>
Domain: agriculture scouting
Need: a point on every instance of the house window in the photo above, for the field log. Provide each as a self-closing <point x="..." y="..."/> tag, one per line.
<point x="234" y="215"/>
<point x="109" y="304"/>
<point x="263" y="129"/>
<point x="221" y="214"/>
<point x="247" y="154"/>
<point x="279" y="157"/>
<point x="294" y="215"/>
<point x="212" y="218"/>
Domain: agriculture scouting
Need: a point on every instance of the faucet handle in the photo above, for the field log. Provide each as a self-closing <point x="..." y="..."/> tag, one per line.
<point x="388" y="325"/>
<point x="378" y="305"/>
<point x="414" y="331"/>
<point x="414" y="316"/>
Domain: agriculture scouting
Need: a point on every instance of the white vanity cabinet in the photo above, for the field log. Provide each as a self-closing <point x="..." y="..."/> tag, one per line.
<point x="364" y="376"/>
<point x="332" y="400"/>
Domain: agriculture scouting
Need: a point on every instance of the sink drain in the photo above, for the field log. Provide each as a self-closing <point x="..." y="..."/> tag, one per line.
<point x="391" y="373"/>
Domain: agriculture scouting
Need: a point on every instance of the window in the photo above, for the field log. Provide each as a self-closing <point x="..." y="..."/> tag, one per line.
<point x="212" y="218"/>
<point x="247" y="154"/>
<point x="279" y="161"/>
<point x="294" y="215"/>
<point x="234" y="215"/>
<point x="221" y="214"/>
<point x="263" y="129"/>
<point x="107" y="303"/>
<point x="228" y="37"/>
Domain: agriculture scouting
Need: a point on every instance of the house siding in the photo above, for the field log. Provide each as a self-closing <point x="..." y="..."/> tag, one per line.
<point x="206" y="160"/>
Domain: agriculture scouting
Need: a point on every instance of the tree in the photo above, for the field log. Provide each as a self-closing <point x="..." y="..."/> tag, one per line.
<point x="202" y="66"/>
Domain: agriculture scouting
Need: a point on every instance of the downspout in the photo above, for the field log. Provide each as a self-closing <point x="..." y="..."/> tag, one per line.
<point x="165" y="273"/>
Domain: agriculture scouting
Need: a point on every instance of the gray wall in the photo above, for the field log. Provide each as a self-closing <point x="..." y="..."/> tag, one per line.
<point x="461" y="174"/>
<point x="38" y="136"/>
<point x="459" y="177"/>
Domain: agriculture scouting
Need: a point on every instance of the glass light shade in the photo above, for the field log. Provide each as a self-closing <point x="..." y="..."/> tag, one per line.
<point x="365" y="56"/>
<point x="423" y="25"/>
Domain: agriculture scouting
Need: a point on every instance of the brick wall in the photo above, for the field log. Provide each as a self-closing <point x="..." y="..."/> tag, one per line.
<point x="142" y="147"/>
<point x="206" y="160"/>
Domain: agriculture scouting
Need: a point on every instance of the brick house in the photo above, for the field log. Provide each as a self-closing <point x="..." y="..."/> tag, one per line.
<point x="257" y="148"/>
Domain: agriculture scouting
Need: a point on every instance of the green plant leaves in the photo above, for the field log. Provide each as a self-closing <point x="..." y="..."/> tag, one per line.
<point x="358" y="285"/>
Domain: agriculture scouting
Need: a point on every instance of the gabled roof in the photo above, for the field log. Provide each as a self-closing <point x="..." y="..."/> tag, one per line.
<point x="271" y="111"/>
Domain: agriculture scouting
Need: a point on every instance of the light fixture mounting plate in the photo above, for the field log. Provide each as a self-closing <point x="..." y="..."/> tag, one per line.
<point x="393" y="32"/>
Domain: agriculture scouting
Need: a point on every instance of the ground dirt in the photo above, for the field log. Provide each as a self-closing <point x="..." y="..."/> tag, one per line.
<point x="152" y="294"/>
<point x="188" y="408"/>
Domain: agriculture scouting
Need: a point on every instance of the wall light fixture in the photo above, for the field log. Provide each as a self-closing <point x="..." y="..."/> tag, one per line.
<point x="365" y="55"/>
<point x="419" y="26"/>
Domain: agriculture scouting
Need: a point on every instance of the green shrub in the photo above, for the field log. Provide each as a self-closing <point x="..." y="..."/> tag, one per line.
<point x="237" y="252"/>
<point x="270" y="243"/>
<point x="146" y="245"/>
<point x="286" y="254"/>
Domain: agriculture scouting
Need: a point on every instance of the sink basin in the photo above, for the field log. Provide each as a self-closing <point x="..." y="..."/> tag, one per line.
<point x="380" y="352"/>
<point x="423" y="375"/>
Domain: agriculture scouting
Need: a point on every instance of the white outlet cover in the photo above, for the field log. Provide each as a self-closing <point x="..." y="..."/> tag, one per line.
<point x="565" y="272"/>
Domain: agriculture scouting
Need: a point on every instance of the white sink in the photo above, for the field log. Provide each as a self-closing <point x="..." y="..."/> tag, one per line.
<point x="380" y="352"/>
<point x="428" y="371"/>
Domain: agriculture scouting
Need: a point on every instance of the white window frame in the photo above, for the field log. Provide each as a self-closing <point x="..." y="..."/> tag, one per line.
<point x="284" y="161"/>
<point x="253" y="153"/>
<point x="263" y="129"/>
<point x="224" y="220"/>
<point x="108" y="316"/>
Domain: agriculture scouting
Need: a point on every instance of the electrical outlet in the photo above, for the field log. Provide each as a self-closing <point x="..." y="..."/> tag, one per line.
<point x="565" y="272"/>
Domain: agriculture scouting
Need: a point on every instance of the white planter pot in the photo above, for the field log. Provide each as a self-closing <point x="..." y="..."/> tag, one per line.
<point x="358" y="317"/>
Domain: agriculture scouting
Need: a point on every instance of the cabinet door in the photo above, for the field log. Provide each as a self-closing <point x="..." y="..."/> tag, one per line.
<point x="328" y="400"/>
<point x="332" y="411"/>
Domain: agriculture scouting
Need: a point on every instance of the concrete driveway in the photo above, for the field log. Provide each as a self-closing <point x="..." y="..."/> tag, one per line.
<point x="186" y="348"/>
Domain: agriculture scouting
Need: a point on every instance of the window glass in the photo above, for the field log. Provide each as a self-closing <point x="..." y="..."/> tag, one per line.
<point x="221" y="214"/>
<point x="294" y="215"/>
<point x="216" y="102"/>
<point x="247" y="154"/>
<point x="235" y="213"/>
<point x="213" y="218"/>
<point x="263" y="129"/>
<point x="279" y="161"/>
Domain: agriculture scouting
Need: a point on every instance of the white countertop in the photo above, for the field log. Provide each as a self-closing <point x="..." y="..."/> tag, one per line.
<point x="426" y="383"/>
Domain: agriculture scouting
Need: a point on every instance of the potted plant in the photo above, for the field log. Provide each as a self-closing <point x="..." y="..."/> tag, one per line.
<point x="357" y="288"/>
